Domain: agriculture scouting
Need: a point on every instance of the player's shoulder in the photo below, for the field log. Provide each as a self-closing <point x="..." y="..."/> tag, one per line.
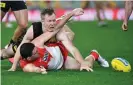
<point x="37" y="26"/>
<point x="36" y="23"/>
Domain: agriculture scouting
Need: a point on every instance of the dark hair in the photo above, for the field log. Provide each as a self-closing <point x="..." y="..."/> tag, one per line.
<point x="26" y="50"/>
<point x="48" y="11"/>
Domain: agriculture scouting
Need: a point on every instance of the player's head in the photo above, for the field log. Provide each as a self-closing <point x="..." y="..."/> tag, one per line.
<point x="28" y="51"/>
<point x="48" y="19"/>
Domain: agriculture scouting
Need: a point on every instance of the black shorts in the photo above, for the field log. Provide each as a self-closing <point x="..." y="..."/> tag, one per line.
<point x="14" y="5"/>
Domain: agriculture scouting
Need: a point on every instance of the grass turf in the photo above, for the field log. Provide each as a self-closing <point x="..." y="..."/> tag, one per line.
<point x="110" y="41"/>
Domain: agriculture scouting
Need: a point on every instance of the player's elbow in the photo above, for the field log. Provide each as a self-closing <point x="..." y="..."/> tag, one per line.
<point x="71" y="35"/>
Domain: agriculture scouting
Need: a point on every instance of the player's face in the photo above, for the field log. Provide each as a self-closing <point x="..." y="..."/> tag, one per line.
<point x="34" y="56"/>
<point x="49" y="22"/>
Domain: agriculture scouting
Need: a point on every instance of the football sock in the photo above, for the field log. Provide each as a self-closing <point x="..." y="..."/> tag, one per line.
<point x="95" y="55"/>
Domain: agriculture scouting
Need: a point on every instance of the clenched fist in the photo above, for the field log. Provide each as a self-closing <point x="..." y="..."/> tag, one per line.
<point x="78" y="11"/>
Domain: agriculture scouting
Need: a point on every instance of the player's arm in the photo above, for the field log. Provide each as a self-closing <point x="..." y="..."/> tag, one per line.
<point x="32" y="68"/>
<point x="69" y="32"/>
<point x="71" y="48"/>
<point x="75" y="12"/>
<point x="62" y="36"/>
<point x="27" y="38"/>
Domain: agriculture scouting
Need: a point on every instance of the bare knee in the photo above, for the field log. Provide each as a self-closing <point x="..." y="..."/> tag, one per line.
<point x="72" y="64"/>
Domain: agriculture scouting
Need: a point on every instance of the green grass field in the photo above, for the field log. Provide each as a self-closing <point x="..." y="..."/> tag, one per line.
<point x="110" y="41"/>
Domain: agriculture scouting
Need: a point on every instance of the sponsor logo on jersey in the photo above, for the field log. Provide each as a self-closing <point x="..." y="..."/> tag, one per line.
<point x="2" y="5"/>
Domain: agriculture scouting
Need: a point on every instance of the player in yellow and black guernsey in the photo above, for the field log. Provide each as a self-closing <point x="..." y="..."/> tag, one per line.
<point x="20" y="12"/>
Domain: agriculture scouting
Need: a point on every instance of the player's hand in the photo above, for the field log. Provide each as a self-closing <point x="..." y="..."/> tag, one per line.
<point x="78" y="11"/>
<point x="43" y="70"/>
<point x="124" y="26"/>
<point x="86" y="66"/>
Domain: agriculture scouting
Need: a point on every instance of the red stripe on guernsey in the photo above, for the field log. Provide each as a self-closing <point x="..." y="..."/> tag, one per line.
<point x="95" y="55"/>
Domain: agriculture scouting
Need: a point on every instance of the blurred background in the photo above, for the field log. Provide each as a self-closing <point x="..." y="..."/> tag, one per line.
<point x="71" y="4"/>
<point x="112" y="10"/>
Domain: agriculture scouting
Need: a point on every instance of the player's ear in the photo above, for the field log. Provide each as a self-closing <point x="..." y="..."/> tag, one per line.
<point x="42" y="18"/>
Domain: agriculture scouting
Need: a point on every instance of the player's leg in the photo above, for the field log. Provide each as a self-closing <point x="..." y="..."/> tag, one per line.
<point x="97" y="57"/>
<point x="4" y="5"/>
<point x="7" y="53"/>
<point x="21" y="15"/>
<point x="91" y="60"/>
<point x="99" y="5"/>
<point x="71" y="64"/>
<point x="7" y="23"/>
<point x="22" y="20"/>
